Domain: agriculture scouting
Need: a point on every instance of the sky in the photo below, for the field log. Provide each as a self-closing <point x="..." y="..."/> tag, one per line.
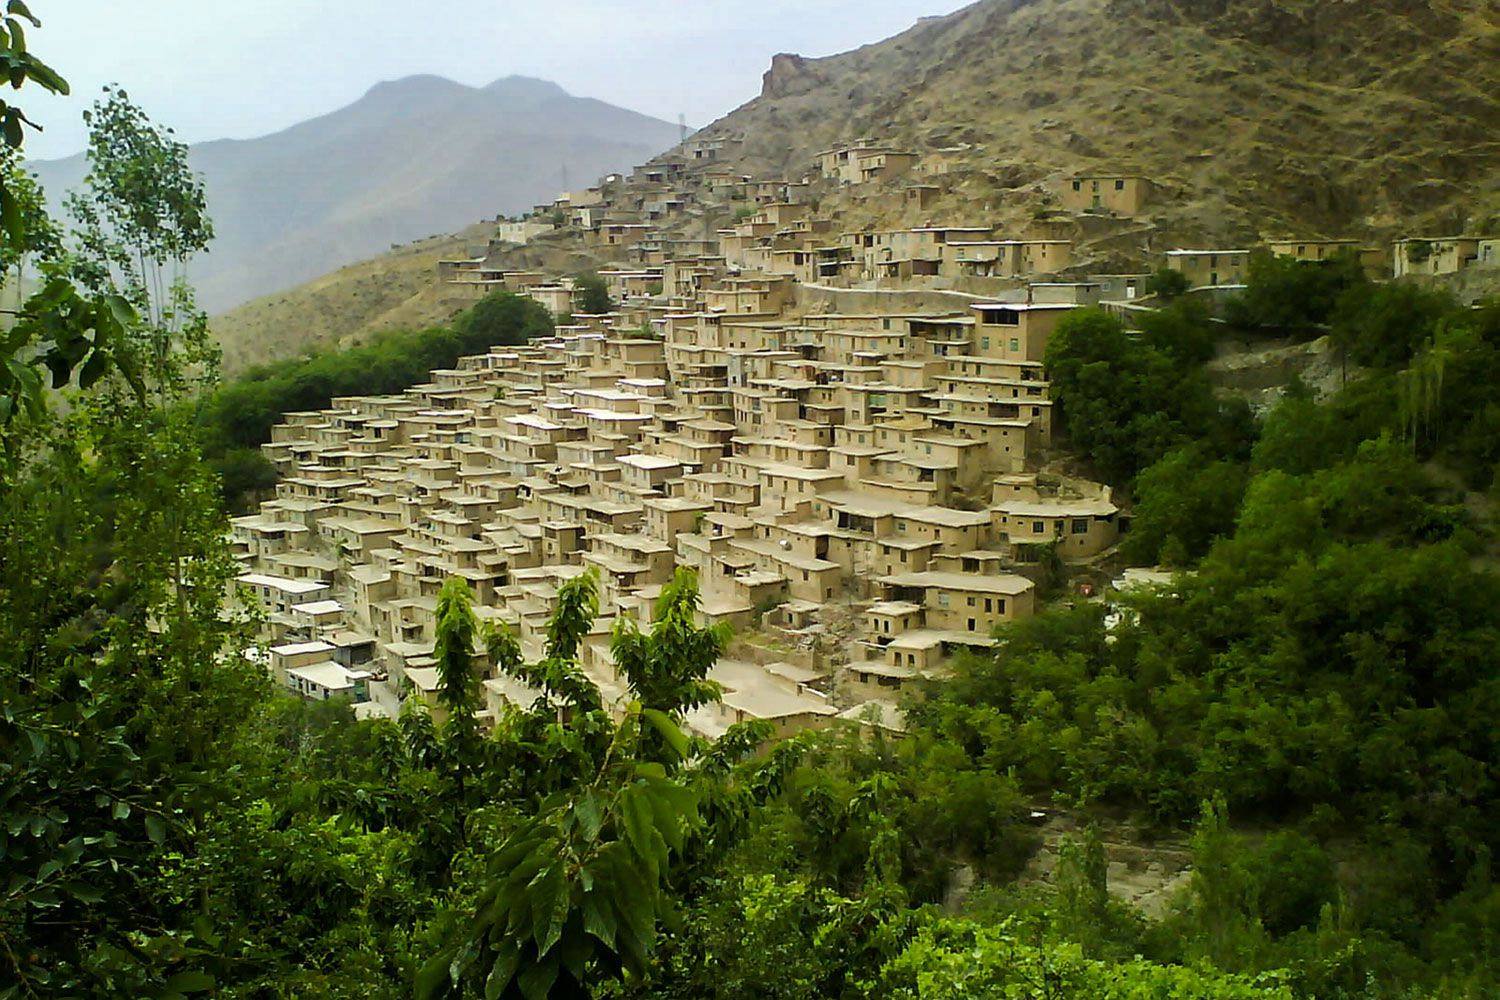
<point x="214" y="69"/>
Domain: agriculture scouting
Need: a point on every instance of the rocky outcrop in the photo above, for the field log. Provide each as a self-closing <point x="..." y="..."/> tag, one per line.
<point x="789" y="74"/>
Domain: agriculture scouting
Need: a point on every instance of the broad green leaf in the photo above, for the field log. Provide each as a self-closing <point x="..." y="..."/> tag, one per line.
<point x="669" y="821"/>
<point x="81" y="891"/>
<point x="640" y="827"/>
<point x="634" y="898"/>
<point x="507" y="958"/>
<point x="432" y="977"/>
<point x="668" y="729"/>
<point x="156" y="829"/>
<point x="589" y="813"/>
<point x="549" y="908"/>
<point x="523" y="871"/>
<point x="512" y="853"/>
<point x="122" y="311"/>
<point x="93" y="369"/>
<point x="537" y="979"/>
<point x="44" y="899"/>
<point x="599" y="918"/>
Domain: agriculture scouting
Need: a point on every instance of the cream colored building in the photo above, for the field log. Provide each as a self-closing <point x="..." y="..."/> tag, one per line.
<point x="1210" y="268"/>
<point x="1120" y="194"/>
<point x="1438" y="255"/>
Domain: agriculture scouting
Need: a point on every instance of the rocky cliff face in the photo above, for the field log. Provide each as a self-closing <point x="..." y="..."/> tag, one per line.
<point x="789" y="74"/>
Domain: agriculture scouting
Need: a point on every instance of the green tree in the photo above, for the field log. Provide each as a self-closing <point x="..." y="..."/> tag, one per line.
<point x="140" y="217"/>
<point x="61" y="329"/>
<point x="1295" y="296"/>
<point x="1221" y="892"/>
<point x="1126" y="402"/>
<point x="501" y="319"/>
<point x="574" y="893"/>
<point x="458" y="689"/>
<point x="667" y="668"/>
<point x="1293" y="880"/>
<point x="1186" y="498"/>
<point x="125" y="694"/>
<point x="23" y="67"/>
<point x="1167" y="283"/>
<point x="40" y="239"/>
<point x="1384" y="325"/>
<point x="1183" y="331"/>
<point x="591" y="294"/>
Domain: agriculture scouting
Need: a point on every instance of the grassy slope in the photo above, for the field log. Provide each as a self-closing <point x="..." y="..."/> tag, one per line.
<point x="396" y="290"/>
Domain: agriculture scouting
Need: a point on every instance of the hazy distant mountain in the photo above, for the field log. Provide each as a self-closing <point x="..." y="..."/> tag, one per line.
<point x="410" y="158"/>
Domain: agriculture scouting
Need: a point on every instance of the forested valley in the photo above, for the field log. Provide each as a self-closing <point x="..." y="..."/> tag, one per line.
<point x="1312" y="701"/>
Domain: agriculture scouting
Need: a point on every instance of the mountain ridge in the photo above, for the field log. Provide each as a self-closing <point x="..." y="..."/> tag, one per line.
<point x="411" y="157"/>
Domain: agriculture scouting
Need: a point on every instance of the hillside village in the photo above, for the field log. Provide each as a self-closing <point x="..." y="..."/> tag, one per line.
<point x="1010" y="511"/>
<point x="846" y="434"/>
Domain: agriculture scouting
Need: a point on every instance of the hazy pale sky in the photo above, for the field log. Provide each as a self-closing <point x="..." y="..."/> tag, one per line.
<point x="223" y="69"/>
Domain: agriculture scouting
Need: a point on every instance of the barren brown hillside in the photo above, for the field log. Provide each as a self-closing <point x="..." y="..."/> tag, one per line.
<point x="1263" y="117"/>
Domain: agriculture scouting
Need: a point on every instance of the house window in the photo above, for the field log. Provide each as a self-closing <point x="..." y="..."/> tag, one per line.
<point x="1038" y="527"/>
<point x="1081" y="526"/>
<point x="1078" y="185"/>
<point x="1119" y="185"/>
<point x="989" y="605"/>
<point x="1015" y="343"/>
<point x="942" y="600"/>
<point x="984" y="343"/>
<point x="1000" y="605"/>
<point x="972" y="602"/>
